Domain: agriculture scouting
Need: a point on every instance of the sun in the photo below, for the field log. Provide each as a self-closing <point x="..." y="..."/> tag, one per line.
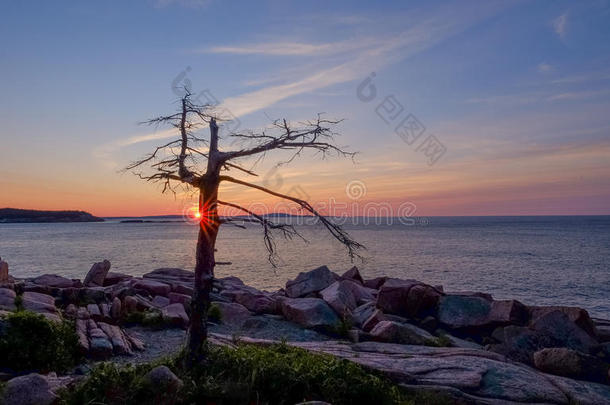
<point x="198" y="215"/>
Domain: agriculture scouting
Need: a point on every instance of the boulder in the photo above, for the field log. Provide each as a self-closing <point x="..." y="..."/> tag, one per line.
<point x="551" y="330"/>
<point x="81" y="332"/>
<point x="160" y="301"/>
<point x="180" y="298"/>
<point x="183" y="289"/>
<point x="487" y="296"/>
<point x="42" y="304"/>
<point x="171" y="274"/>
<point x="340" y="297"/>
<point x="7" y="300"/>
<point x="82" y="313"/>
<point x="233" y="313"/>
<point x="460" y="311"/>
<point x="161" y="378"/>
<point x="404" y="333"/>
<point x="354" y="275"/>
<point x="375" y="283"/>
<point x="310" y="282"/>
<point x="38" y="297"/>
<point x="100" y="346"/>
<point x="130" y="304"/>
<point x="577" y="315"/>
<point x="564" y="332"/>
<point x="94" y="294"/>
<point x="53" y="280"/>
<point x="361" y="293"/>
<point x="113" y="278"/>
<point x="3" y="272"/>
<point x="97" y="274"/>
<point x="120" y="342"/>
<point x="362" y="313"/>
<point x="30" y="389"/>
<point x="255" y="300"/>
<point x="408" y="298"/>
<point x="71" y="311"/>
<point x="372" y="321"/>
<point x="508" y="311"/>
<point x="153" y="287"/>
<point x="143" y="303"/>
<point x="311" y="313"/>
<point x="572" y="364"/>
<point x="94" y="312"/>
<point x="115" y="308"/>
<point x="174" y="314"/>
<point x="230" y="282"/>
<point x="136" y="342"/>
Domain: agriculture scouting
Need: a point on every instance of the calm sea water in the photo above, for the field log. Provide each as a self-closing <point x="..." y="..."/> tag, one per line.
<point x="538" y="260"/>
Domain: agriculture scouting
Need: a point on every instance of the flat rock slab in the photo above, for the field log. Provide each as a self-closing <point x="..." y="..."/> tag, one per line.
<point x="474" y="375"/>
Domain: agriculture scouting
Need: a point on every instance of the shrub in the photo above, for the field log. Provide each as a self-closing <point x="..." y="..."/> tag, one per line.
<point x="19" y="302"/>
<point x="112" y="384"/>
<point x="441" y="341"/>
<point x="150" y="319"/>
<point x="342" y="327"/>
<point x="214" y="313"/>
<point x="33" y="343"/>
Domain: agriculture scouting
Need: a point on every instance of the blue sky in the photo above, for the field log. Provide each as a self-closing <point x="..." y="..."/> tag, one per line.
<point x="517" y="92"/>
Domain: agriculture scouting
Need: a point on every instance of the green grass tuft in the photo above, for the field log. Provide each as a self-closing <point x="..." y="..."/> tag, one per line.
<point x="150" y="319"/>
<point x="214" y="313"/>
<point x="33" y="343"/>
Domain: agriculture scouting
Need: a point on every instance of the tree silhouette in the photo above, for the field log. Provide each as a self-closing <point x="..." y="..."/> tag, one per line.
<point x="180" y="162"/>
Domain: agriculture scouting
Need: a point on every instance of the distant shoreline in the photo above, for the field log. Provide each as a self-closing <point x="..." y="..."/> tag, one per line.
<point x="19" y="216"/>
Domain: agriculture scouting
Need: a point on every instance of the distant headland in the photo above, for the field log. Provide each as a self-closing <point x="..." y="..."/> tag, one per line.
<point x="15" y="215"/>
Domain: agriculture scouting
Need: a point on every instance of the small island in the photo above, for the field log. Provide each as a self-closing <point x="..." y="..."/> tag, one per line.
<point x="15" y="215"/>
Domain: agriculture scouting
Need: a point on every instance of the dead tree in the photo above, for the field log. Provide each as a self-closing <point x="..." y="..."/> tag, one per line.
<point x="180" y="162"/>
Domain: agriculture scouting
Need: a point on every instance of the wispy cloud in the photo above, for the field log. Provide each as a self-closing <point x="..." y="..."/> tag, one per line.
<point x="183" y="3"/>
<point x="359" y="59"/>
<point x="105" y="153"/>
<point x="587" y="77"/>
<point x="560" y="25"/>
<point x="544" y="67"/>
<point x="420" y="37"/>
<point x="292" y="48"/>
<point x="579" y="95"/>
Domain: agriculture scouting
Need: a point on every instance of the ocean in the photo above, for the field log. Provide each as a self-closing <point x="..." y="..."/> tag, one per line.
<point x="547" y="260"/>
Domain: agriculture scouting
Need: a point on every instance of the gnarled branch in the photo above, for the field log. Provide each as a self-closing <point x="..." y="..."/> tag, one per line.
<point x="335" y="230"/>
<point x="287" y="231"/>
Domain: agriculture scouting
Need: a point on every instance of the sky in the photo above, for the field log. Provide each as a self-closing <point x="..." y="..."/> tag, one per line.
<point x="454" y="108"/>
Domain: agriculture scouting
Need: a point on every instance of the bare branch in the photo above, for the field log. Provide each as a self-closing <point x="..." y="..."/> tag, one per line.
<point x="168" y="164"/>
<point x="335" y="230"/>
<point x="316" y="135"/>
<point x="287" y="231"/>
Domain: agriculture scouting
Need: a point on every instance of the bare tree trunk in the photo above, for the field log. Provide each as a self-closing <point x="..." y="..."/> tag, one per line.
<point x="205" y="261"/>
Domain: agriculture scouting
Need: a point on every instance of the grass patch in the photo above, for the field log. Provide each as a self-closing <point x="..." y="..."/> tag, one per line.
<point x="343" y="327"/>
<point x="149" y="319"/>
<point x="250" y="374"/>
<point x="33" y="343"/>
<point x="19" y="302"/>
<point x="214" y="313"/>
<point x="441" y="341"/>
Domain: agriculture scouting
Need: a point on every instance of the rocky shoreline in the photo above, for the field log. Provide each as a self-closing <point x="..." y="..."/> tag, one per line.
<point x="464" y="344"/>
